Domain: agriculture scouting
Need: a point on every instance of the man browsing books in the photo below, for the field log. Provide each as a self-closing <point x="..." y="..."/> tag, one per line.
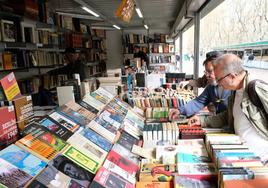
<point x="212" y="94"/>
<point x="247" y="112"/>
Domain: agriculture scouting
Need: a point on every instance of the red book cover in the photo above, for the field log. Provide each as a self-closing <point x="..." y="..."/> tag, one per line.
<point x="8" y="127"/>
<point x="108" y="179"/>
<point x="123" y="163"/>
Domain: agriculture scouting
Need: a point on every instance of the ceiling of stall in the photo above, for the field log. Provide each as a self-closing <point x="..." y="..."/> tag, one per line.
<point x="157" y="14"/>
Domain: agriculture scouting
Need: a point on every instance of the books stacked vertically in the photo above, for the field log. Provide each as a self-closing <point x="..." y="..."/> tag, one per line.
<point x="159" y="114"/>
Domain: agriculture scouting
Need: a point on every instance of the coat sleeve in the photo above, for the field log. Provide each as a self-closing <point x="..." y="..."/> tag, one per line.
<point x="261" y="89"/>
<point x="218" y="121"/>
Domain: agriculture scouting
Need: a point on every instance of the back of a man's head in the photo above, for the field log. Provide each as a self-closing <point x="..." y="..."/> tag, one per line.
<point x="230" y="63"/>
<point x="212" y="55"/>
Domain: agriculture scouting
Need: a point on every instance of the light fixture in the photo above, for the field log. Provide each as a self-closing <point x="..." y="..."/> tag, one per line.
<point x="115" y="26"/>
<point x="90" y="11"/>
<point x="146" y="26"/>
<point x="139" y="12"/>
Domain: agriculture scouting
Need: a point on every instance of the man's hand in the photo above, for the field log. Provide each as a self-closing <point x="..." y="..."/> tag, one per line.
<point x="182" y="84"/>
<point x="173" y="114"/>
<point x="195" y="120"/>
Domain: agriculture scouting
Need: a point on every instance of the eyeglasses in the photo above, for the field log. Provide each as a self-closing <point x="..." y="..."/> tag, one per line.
<point x="220" y="79"/>
<point x="208" y="72"/>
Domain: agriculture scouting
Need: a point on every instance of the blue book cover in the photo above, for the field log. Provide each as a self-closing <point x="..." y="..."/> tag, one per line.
<point x="190" y="158"/>
<point x="22" y="160"/>
<point x="97" y="139"/>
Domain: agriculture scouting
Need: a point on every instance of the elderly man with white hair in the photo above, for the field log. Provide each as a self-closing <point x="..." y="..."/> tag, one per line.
<point x="247" y="112"/>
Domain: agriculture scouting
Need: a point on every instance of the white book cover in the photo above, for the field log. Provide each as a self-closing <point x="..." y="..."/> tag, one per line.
<point x="65" y="94"/>
<point x="94" y="102"/>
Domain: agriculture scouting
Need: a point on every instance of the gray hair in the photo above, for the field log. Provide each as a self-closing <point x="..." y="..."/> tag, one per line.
<point x="230" y="63"/>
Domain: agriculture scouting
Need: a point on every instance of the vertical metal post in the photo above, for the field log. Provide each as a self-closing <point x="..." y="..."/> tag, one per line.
<point x="196" y="43"/>
<point x="181" y="55"/>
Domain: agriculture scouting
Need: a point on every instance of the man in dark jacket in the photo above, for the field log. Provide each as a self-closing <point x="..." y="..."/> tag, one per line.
<point x="73" y="65"/>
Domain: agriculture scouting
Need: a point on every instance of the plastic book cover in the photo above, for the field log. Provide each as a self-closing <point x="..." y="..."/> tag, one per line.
<point x="22" y="159"/>
<point x="64" y="121"/>
<point x="126" y="140"/>
<point x="11" y="176"/>
<point x="88" y="107"/>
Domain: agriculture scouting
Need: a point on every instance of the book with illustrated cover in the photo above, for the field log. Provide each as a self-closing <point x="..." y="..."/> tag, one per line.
<point x="88" y="147"/>
<point x="67" y="123"/>
<point x="77" y="113"/>
<point x="45" y="136"/>
<point x="8" y="127"/>
<point x="88" y="107"/>
<point x="123" y="163"/>
<point x="104" y="94"/>
<point x="53" y="178"/>
<point x="126" y="140"/>
<point x="22" y="159"/>
<point x="97" y="139"/>
<point x="154" y="184"/>
<point x="93" y="102"/>
<point x="103" y="130"/>
<point x="71" y="169"/>
<point x="81" y="159"/>
<point x="99" y="98"/>
<point x="106" y="125"/>
<point x="8" y="31"/>
<point x="24" y="111"/>
<point x="11" y="176"/>
<point x="126" y="153"/>
<point x="56" y="128"/>
<point x="180" y="181"/>
<point x="107" y="179"/>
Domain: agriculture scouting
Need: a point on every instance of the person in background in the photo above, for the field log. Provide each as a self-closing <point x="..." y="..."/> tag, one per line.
<point x="203" y="81"/>
<point x="247" y="112"/>
<point x="138" y="53"/>
<point x="73" y="65"/>
<point x="211" y="94"/>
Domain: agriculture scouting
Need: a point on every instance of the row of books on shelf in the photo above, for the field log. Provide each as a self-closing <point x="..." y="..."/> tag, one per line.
<point x="84" y="144"/>
<point x="158" y="59"/>
<point x="162" y="48"/>
<point x="13" y="59"/>
<point x="129" y="48"/>
<point x="135" y="39"/>
<point x="154" y="102"/>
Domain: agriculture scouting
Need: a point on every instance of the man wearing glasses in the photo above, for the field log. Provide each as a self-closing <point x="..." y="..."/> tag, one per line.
<point x="212" y="94"/>
<point x="247" y="113"/>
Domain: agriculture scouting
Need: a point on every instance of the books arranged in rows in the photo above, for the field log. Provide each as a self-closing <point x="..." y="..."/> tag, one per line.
<point x="135" y="38"/>
<point x="191" y="132"/>
<point x="130" y="48"/>
<point x="162" y="48"/>
<point x="160" y="38"/>
<point x="161" y="59"/>
<point x="157" y="113"/>
<point x="154" y="132"/>
<point x="81" y="147"/>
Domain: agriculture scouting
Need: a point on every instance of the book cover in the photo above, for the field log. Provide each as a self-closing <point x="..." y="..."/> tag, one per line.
<point x="44" y="135"/>
<point x="126" y="140"/>
<point x="71" y="169"/>
<point x="67" y="123"/>
<point x="8" y="31"/>
<point x="53" y="178"/>
<point x="154" y="185"/>
<point x="56" y="128"/>
<point x="11" y="176"/>
<point x="24" y="111"/>
<point x="123" y="163"/>
<point x="180" y="181"/>
<point x="88" y="107"/>
<point x="22" y="159"/>
<point x="105" y="178"/>
<point x="81" y="159"/>
<point x="88" y="147"/>
<point x="126" y="153"/>
<point x="93" y="102"/>
<point x="97" y="139"/>
<point x="8" y="127"/>
<point x="110" y="115"/>
<point x="10" y="86"/>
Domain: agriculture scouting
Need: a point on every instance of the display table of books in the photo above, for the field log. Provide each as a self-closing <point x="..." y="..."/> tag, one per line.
<point x="101" y="141"/>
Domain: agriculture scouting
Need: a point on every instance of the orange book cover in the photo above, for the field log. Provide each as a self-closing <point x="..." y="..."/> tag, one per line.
<point x="10" y="86"/>
<point x="253" y="183"/>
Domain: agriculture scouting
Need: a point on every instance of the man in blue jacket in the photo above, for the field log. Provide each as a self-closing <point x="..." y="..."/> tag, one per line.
<point x="211" y="94"/>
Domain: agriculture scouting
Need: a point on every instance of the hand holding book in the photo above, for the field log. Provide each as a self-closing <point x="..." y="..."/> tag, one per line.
<point x="195" y="120"/>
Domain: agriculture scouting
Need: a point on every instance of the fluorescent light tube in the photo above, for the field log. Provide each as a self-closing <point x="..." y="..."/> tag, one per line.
<point x="139" y="12"/>
<point x="146" y="26"/>
<point x="90" y="11"/>
<point x="115" y="26"/>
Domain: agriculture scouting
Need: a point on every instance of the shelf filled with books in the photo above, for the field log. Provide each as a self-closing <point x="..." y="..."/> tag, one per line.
<point x="31" y="37"/>
<point x="161" y="52"/>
